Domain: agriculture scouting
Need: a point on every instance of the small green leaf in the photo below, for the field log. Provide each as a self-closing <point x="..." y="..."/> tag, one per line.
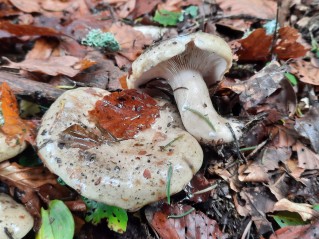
<point x="291" y="78"/>
<point x="57" y="222"/>
<point x="116" y="217"/>
<point x="316" y="207"/>
<point x="191" y="11"/>
<point x="166" y="18"/>
<point x="288" y="219"/>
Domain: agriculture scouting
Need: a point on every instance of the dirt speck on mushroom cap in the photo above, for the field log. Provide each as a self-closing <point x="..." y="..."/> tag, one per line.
<point x="117" y="173"/>
<point x="14" y="217"/>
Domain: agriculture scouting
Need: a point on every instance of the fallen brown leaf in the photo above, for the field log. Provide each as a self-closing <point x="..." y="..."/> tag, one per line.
<point x="308" y="127"/>
<point x="25" y="177"/>
<point x="26" y="5"/>
<point x="305" y="71"/>
<point x="290" y="44"/>
<point x="305" y="232"/>
<point x="176" y="5"/>
<point x="64" y="65"/>
<point x="144" y="6"/>
<point x="194" y="225"/>
<point x="132" y="42"/>
<point x="257" y="46"/>
<point x="257" y="8"/>
<point x="307" y="159"/>
<point x="8" y="29"/>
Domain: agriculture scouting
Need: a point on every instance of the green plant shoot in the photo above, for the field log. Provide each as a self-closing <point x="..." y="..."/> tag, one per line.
<point x="116" y="217"/>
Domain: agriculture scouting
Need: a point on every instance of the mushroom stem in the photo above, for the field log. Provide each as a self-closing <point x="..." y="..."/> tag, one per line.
<point x="197" y="111"/>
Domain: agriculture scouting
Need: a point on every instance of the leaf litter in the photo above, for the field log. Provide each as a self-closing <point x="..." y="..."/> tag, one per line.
<point x="276" y="170"/>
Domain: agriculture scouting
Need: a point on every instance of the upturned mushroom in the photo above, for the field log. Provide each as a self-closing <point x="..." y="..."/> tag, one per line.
<point x="117" y="148"/>
<point x="190" y="64"/>
<point x="15" y="221"/>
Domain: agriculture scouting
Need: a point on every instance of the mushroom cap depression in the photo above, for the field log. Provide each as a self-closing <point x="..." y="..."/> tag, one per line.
<point x="126" y="173"/>
<point x="208" y="54"/>
<point x="10" y="146"/>
<point x="13" y="217"/>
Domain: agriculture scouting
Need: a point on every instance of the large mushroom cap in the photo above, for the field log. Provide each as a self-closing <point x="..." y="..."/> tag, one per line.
<point x="190" y="64"/>
<point x="206" y="53"/>
<point x="14" y="218"/>
<point x="129" y="173"/>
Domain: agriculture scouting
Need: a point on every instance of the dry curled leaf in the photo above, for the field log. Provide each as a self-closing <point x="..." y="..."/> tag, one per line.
<point x="25" y="177"/>
<point x="13" y="125"/>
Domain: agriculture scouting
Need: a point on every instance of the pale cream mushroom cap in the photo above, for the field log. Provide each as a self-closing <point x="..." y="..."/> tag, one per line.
<point x="9" y="148"/>
<point x="191" y="64"/>
<point x="14" y="218"/>
<point x="129" y="173"/>
<point x="217" y="51"/>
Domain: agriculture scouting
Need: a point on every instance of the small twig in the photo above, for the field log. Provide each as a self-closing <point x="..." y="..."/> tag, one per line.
<point x="202" y="116"/>
<point x="170" y="143"/>
<point x="274" y="38"/>
<point x="239" y="155"/>
<point x="246" y="233"/>
<point x="181" y="215"/>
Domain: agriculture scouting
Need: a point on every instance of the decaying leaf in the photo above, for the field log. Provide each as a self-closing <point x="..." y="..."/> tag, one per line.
<point x="305" y="71"/>
<point x="305" y="232"/>
<point x="307" y="159"/>
<point x="257" y="46"/>
<point x="124" y="114"/>
<point x="259" y="87"/>
<point x="176" y="5"/>
<point x="257" y="8"/>
<point x="303" y="209"/>
<point x="132" y="42"/>
<point x="64" y="65"/>
<point x="193" y="225"/>
<point x="27" y="6"/>
<point x="31" y="177"/>
<point x="8" y="29"/>
<point x="76" y="136"/>
<point x="308" y="127"/>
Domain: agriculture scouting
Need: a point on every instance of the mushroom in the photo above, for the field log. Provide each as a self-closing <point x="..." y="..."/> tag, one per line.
<point x="128" y="173"/>
<point x="10" y="146"/>
<point x="190" y="63"/>
<point x="15" y="221"/>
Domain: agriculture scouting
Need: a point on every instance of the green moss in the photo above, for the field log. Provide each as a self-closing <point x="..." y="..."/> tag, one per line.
<point x="97" y="38"/>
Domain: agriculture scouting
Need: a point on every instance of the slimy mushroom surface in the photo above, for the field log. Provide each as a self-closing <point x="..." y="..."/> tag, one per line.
<point x="191" y="64"/>
<point x="15" y="221"/>
<point x="128" y="173"/>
